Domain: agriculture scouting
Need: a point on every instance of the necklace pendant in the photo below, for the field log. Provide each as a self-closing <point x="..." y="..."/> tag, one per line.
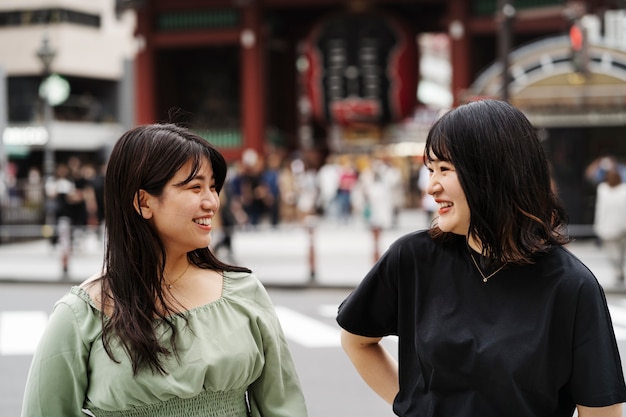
<point x="169" y="286"/>
<point x="480" y="271"/>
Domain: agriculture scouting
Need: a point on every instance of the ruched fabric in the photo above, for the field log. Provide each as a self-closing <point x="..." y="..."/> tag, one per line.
<point x="206" y="404"/>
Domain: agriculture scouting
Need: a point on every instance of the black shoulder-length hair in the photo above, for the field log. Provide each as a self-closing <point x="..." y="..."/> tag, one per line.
<point x="146" y="157"/>
<point x="504" y="173"/>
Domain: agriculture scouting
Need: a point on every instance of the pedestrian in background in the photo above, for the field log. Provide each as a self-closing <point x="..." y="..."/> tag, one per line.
<point x="328" y="183"/>
<point x="166" y="329"/>
<point x="80" y="201"/>
<point x="597" y="169"/>
<point x="348" y="180"/>
<point x="427" y="203"/>
<point x="3" y="196"/>
<point x="228" y="221"/>
<point x="610" y="220"/>
<point x="289" y="190"/>
<point x="60" y="190"/>
<point x="494" y="316"/>
<point x="97" y="184"/>
<point x="248" y="190"/>
<point x="271" y="183"/>
<point x="307" y="189"/>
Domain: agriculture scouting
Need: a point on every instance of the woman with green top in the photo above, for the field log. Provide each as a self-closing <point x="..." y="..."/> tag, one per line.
<point x="166" y="329"/>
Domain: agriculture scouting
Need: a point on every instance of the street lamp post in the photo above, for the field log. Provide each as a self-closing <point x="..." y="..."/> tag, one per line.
<point x="506" y="14"/>
<point x="46" y="54"/>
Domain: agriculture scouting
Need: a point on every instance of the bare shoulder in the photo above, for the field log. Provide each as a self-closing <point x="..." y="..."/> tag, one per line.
<point x="93" y="288"/>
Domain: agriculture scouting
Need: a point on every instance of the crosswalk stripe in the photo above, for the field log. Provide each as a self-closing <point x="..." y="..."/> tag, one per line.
<point x="327" y="310"/>
<point x="306" y="331"/>
<point x="20" y="331"/>
<point x="618" y="316"/>
<point x="620" y="333"/>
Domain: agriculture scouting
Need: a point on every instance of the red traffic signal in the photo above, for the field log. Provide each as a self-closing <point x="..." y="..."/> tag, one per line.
<point x="576" y="37"/>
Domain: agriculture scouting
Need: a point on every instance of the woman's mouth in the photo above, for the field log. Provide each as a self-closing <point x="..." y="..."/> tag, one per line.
<point x="204" y="221"/>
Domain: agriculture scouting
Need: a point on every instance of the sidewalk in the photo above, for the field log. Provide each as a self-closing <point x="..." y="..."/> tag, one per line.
<point x="339" y="257"/>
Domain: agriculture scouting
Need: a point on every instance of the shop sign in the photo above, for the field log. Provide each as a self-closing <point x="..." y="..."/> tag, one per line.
<point x="25" y="136"/>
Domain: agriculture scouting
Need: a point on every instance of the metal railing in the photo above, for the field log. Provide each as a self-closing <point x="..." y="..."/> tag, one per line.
<point x="22" y="212"/>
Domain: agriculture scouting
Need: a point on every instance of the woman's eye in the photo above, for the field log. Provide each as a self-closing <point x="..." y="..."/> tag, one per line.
<point x="447" y="168"/>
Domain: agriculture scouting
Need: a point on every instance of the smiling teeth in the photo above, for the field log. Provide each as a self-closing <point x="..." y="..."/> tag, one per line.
<point x="445" y="204"/>
<point x="204" y="222"/>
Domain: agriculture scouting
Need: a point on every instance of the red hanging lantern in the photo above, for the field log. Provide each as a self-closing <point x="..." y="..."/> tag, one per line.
<point x="362" y="69"/>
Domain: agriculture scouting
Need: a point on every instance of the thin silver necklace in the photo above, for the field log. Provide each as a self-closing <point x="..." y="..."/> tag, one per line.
<point x="485" y="277"/>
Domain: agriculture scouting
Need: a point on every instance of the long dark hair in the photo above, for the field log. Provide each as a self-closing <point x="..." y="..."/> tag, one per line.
<point x="505" y="176"/>
<point x="146" y="157"/>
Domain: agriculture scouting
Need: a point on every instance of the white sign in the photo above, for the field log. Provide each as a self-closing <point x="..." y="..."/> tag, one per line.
<point x="32" y="135"/>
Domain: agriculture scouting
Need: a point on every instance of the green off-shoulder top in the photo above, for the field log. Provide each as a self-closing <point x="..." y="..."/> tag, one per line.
<point x="233" y="356"/>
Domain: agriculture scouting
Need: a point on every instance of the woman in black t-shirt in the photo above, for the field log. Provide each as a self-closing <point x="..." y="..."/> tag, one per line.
<point x="494" y="316"/>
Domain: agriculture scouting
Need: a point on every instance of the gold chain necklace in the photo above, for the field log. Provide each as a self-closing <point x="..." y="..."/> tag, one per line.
<point x="486" y="278"/>
<point x="169" y="285"/>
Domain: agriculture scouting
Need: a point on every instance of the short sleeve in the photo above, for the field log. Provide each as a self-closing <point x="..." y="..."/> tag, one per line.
<point x="372" y="308"/>
<point x="597" y="376"/>
<point x="277" y="391"/>
<point x="57" y="379"/>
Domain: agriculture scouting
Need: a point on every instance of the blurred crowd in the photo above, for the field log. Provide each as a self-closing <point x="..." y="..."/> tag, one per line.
<point x="276" y="189"/>
<point x="73" y="193"/>
<point x="261" y="189"/>
<point x="76" y="193"/>
<point x="290" y="189"/>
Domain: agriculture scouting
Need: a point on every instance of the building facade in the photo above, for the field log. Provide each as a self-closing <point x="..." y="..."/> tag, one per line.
<point x="249" y="56"/>
<point x="92" y="49"/>
<point x="240" y="72"/>
<point x="84" y="50"/>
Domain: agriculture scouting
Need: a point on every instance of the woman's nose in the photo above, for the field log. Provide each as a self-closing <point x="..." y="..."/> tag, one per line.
<point x="433" y="185"/>
<point x="210" y="201"/>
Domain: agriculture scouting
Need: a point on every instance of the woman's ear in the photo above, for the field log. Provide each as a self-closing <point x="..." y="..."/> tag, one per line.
<point x="142" y="204"/>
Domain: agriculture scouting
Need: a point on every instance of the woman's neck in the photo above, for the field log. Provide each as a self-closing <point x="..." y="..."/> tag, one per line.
<point x="474" y="244"/>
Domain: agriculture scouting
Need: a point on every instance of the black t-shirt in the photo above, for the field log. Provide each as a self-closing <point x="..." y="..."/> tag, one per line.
<point x="532" y="341"/>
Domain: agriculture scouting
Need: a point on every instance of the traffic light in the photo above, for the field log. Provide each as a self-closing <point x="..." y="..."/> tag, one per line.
<point x="578" y="43"/>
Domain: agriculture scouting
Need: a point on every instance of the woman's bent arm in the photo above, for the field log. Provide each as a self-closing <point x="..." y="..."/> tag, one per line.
<point x="614" y="410"/>
<point x="375" y="365"/>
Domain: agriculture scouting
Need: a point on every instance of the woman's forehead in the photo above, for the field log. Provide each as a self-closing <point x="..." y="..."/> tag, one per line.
<point x="431" y="156"/>
<point x="204" y="168"/>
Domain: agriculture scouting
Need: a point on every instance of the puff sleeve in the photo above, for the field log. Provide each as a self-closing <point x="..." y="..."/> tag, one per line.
<point x="57" y="379"/>
<point x="277" y="391"/>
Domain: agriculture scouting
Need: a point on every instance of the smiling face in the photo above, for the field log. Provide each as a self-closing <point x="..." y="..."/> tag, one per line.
<point x="445" y="187"/>
<point x="182" y="215"/>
